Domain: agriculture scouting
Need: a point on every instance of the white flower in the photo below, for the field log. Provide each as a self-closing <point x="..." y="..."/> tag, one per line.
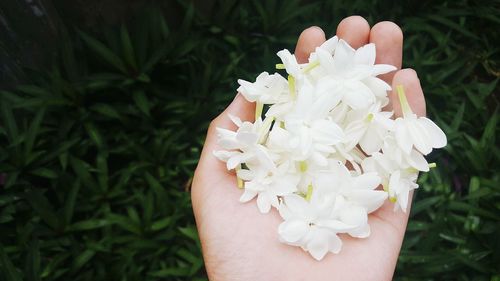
<point x="312" y="134"/>
<point x="310" y="224"/>
<point x="329" y="46"/>
<point x="400" y="185"/>
<point x="368" y="128"/>
<point x="327" y="115"/>
<point x="356" y="196"/>
<point x="417" y="131"/>
<point x="398" y="177"/>
<point x="290" y="62"/>
<point x="403" y="160"/>
<point x="267" y="89"/>
<point x="268" y="189"/>
<point x="346" y="72"/>
<point x="244" y="144"/>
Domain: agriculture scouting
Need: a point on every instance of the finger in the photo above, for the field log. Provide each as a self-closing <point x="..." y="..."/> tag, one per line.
<point x="240" y="108"/>
<point x="355" y="30"/>
<point x="411" y="84"/>
<point x="212" y="172"/>
<point x="388" y="39"/>
<point x="309" y="39"/>
<point x="409" y="80"/>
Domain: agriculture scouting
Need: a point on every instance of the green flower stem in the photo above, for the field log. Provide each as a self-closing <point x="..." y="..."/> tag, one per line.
<point x="258" y="110"/>
<point x="291" y="86"/>
<point x="264" y="129"/>
<point x="309" y="192"/>
<point x="238" y="179"/>
<point x="303" y="166"/>
<point x="405" y="106"/>
<point x="310" y="66"/>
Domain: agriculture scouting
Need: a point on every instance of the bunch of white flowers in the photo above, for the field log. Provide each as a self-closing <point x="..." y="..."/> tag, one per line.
<point x="325" y="144"/>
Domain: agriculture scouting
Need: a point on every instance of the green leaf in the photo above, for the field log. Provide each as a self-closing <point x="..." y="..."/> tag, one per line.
<point x="189" y="231"/>
<point x="82" y="170"/>
<point x="45" y="173"/>
<point x="33" y="132"/>
<point x="106" y="110"/>
<point x="10" y="123"/>
<point x="141" y="101"/>
<point x="104" y="52"/>
<point x="43" y="208"/>
<point x="160" y="193"/>
<point x="95" y="135"/>
<point x="128" y="50"/>
<point x="161" y="224"/>
<point x="453" y="25"/>
<point x="9" y="272"/>
<point x="102" y="171"/>
<point x="169" y="272"/>
<point x="133" y="215"/>
<point x="82" y="259"/>
<point x="474" y="185"/>
<point x="125" y="223"/>
<point x="489" y="133"/>
<point x="424" y="204"/>
<point x="69" y="203"/>
<point x="188" y="18"/>
<point x="34" y="90"/>
<point x="88" y="224"/>
<point x="33" y="262"/>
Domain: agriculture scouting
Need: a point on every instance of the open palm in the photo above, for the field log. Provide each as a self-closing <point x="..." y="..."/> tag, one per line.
<point x="239" y="243"/>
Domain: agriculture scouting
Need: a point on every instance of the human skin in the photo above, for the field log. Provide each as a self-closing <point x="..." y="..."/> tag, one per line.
<point x="240" y="243"/>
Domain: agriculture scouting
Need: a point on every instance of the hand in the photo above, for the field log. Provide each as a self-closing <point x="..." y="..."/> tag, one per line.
<point x="239" y="243"/>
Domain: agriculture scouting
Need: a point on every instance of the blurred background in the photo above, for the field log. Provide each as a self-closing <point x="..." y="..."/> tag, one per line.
<point x="104" y="106"/>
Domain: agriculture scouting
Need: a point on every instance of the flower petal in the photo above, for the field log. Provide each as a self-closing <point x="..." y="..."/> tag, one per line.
<point x="354" y="216"/>
<point x="263" y="202"/>
<point x="402" y="137"/>
<point x="373" y="139"/>
<point x="318" y="246"/>
<point x="224" y="155"/>
<point x="382" y="69"/>
<point x="343" y="56"/>
<point x="369" y="199"/>
<point x="334" y="225"/>
<point x="290" y="62"/>
<point x="325" y="59"/>
<point x="366" y="181"/>
<point x="234" y="161"/>
<point x="403" y="200"/>
<point x="378" y="86"/>
<point x="358" y="95"/>
<point x="420" y="137"/>
<point x="326" y="132"/>
<point x="365" y="54"/>
<point x="330" y="44"/>
<point x="334" y="244"/>
<point x="361" y="232"/>
<point x="293" y="230"/>
<point x="247" y="138"/>
<point x="417" y="161"/>
<point x="296" y="204"/>
<point x="437" y="135"/>
<point x="247" y="195"/>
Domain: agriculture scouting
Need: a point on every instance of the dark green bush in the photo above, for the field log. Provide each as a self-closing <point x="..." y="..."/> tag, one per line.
<point x="97" y="151"/>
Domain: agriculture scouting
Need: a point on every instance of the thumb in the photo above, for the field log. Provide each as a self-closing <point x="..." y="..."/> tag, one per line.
<point x="240" y="108"/>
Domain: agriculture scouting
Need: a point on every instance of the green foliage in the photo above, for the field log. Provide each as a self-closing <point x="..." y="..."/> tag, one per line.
<point x="97" y="152"/>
